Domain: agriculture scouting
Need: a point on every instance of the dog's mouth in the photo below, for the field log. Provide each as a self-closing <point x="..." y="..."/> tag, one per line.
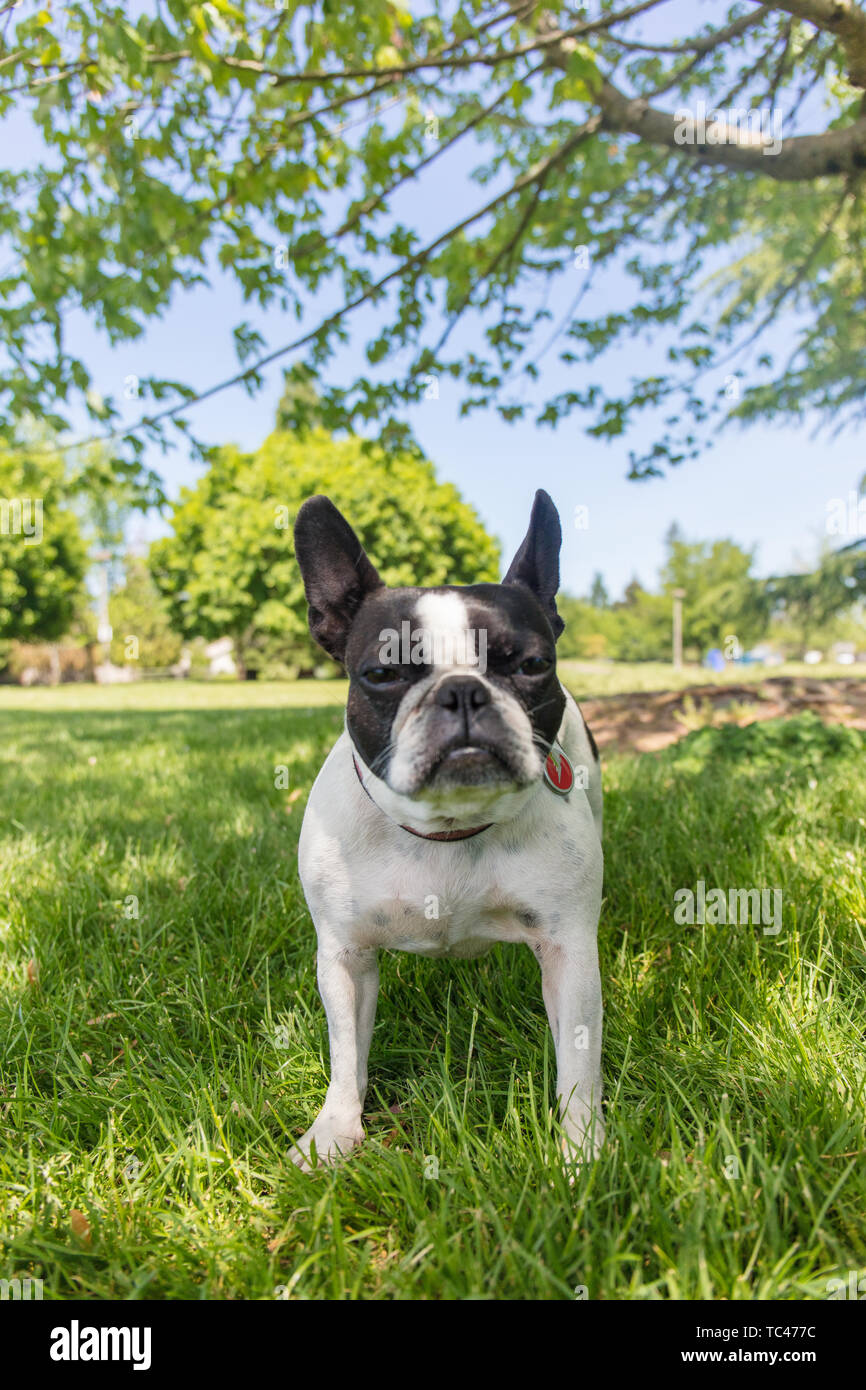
<point x="470" y="765"/>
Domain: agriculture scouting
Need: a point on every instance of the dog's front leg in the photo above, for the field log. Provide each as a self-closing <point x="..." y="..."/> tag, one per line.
<point x="571" y="985"/>
<point x="349" y="985"/>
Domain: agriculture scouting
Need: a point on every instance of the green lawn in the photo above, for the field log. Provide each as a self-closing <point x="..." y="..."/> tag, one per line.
<point x="154" y="1068"/>
<point x="592" y="678"/>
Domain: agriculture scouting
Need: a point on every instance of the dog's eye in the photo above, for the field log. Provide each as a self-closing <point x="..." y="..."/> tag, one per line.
<point x="382" y="675"/>
<point x="534" y="666"/>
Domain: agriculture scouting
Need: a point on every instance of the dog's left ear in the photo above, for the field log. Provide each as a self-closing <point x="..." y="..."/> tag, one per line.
<point x="337" y="574"/>
<point x="536" y="564"/>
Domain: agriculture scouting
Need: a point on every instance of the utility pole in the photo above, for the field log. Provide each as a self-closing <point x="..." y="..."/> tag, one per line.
<point x="679" y="595"/>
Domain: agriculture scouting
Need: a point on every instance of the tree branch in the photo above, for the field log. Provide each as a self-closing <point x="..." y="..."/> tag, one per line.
<point x="703" y="43"/>
<point x="372" y="292"/>
<point x="842" y="18"/>
<point x="799" y="158"/>
<point x="441" y="61"/>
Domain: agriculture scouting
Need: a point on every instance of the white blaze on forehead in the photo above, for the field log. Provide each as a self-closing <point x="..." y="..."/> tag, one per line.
<point x="445" y="621"/>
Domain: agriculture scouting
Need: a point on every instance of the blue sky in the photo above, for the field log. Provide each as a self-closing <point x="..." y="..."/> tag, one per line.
<point x="765" y="487"/>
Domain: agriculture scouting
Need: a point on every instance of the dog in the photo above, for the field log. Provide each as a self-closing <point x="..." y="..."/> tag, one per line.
<point x="461" y="806"/>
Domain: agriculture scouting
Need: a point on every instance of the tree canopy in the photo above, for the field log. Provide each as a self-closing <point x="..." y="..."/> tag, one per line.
<point x="286" y="143"/>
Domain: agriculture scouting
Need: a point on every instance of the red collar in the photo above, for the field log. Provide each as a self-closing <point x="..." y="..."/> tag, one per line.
<point x="441" y="834"/>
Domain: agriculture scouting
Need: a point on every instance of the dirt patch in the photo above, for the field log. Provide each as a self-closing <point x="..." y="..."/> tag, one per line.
<point x="649" y="720"/>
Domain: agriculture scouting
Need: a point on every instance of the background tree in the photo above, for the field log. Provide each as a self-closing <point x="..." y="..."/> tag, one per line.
<point x="642" y="625"/>
<point x="277" y="141"/>
<point x="723" y="599"/>
<point x="598" y="595"/>
<point x="137" y="610"/>
<point x="229" y="568"/>
<point x="582" y="636"/>
<point x="104" y="499"/>
<point x="637" y="628"/>
<point x="824" y="604"/>
<point x="41" y="573"/>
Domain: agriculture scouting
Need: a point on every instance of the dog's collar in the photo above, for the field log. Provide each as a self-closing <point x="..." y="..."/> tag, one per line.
<point x="439" y="835"/>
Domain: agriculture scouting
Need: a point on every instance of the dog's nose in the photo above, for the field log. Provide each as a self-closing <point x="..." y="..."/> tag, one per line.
<point x="462" y="693"/>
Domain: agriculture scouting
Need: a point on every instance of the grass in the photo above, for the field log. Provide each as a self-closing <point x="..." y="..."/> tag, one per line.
<point x="593" y="678"/>
<point x="162" y="1040"/>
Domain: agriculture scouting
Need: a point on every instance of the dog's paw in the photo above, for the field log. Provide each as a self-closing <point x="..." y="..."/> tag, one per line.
<point x="325" y="1143"/>
<point x="581" y="1142"/>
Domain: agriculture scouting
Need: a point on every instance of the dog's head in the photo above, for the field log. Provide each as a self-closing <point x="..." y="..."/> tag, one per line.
<point x="454" y="699"/>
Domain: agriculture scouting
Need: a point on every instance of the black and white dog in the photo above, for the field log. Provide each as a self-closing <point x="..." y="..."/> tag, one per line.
<point x="460" y="807"/>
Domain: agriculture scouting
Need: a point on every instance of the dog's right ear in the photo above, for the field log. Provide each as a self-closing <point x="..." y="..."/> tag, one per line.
<point x="336" y="572"/>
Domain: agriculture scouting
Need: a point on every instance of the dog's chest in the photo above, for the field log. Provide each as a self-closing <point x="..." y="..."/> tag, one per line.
<point x="446" y="913"/>
<point x="404" y="894"/>
<point x="371" y="884"/>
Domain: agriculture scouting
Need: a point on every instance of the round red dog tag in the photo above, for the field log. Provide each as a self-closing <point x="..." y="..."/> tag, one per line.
<point x="558" y="772"/>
